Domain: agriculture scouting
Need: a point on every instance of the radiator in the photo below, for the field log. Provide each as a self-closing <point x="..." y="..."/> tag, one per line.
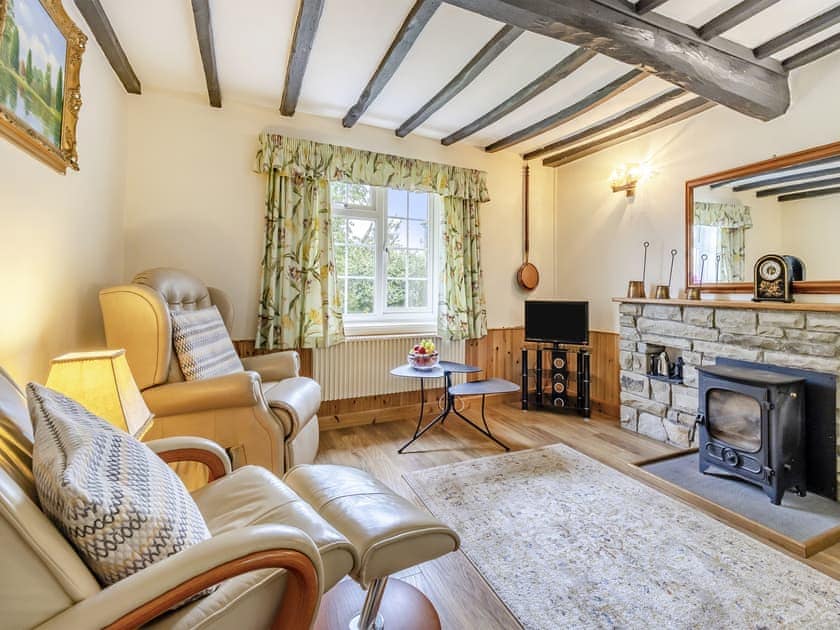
<point x="361" y="365"/>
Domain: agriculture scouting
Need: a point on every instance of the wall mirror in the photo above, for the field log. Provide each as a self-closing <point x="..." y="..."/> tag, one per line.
<point x="785" y="205"/>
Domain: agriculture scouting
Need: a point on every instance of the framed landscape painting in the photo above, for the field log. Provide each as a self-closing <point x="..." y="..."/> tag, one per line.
<point x="40" y="59"/>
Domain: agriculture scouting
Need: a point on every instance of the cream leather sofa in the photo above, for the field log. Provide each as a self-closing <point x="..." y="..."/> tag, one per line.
<point x="265" y="416"/>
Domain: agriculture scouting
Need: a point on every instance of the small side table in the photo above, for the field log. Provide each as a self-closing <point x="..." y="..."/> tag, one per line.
<point x="489" y="387"/>
<point x="444" y="369"/>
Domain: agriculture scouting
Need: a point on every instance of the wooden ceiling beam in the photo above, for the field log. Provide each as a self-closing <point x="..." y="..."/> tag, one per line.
<point x="566" y="114"/>
<point x="410" y="30"/>
<point x="731" y="18"/>
<point x="475" y="66"/>
<point x="772" y="181"/>
<point x="103" y="31"/>
<point x="813" y="185"/>
<point x="784" y="169"/>
<point x="817" y="51"/>
<point x="207" y="48"/>
<point x="608" y="123"/>
<point x="669" y="117"/>
<point x="719" y="70"/>
<point x="808" y="194"/>
<point x="550" y="77"/>
<point x="797" y="34"/>
<point x="308" y="18"/>
<point x="643" y="6"/>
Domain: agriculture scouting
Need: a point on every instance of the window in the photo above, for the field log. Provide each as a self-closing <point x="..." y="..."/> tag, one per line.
<point x="385" y="244"/>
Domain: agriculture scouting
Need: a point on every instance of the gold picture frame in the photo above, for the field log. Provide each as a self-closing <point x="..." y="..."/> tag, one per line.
<point x="54" y="117"/>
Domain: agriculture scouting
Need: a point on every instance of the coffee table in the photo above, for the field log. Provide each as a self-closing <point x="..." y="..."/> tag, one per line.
<point x="445" y="370"/>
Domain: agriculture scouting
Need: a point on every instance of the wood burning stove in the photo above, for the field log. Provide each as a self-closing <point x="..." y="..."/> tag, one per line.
<point x="752" y="425"/>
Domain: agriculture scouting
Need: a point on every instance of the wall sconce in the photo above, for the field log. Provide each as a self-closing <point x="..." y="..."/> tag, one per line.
<point x="627" y="176"/>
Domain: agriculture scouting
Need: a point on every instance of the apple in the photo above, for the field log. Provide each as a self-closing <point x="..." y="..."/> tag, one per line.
<point x="422" y="350"/>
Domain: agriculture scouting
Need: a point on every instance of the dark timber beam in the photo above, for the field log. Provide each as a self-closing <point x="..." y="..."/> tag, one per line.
<point x="669" y="117"/>
<point x="572" y="111"/>
<point x="475" y="66"/>
<point x="784" y="169"/>
<point x="204" y="32"/>
<point x="810" y="193"/>
<point x="643" y="6"/>
<point x="818" y="50"/>
<point x="100" y="25"/>
<point x="309" y="15"/>
<point x="609" y="123"/>
<point x="781" y="190"/>
<point x="410" y="30"/>
<point x="719" y="70"/>
<point x="539" y="85"/>
<point x="741" y="12"/>
<point x="772" y="181"/>
<point x="797" y="34"/>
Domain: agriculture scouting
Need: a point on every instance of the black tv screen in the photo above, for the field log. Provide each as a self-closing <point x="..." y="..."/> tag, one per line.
<point x="555" y="321"/>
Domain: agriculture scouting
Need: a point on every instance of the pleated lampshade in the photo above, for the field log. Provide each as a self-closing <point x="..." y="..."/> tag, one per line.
<point x="102" y="382"/>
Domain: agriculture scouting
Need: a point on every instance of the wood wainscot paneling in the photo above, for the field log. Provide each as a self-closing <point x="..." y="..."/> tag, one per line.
<point x="499" y="354"/>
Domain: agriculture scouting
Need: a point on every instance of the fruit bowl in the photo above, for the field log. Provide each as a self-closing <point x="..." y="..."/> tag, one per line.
<point x="425" y="361"/>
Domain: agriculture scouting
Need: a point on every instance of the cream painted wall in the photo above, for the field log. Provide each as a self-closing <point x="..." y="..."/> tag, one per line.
<point x="62" y="235"/>
<point x="600" y="233"/>
<point x="192" y="200"/>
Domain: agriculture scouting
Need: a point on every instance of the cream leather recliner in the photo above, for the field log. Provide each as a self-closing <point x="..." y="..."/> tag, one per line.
<point x="270" y="551"/>
<point x="265" y="416"/>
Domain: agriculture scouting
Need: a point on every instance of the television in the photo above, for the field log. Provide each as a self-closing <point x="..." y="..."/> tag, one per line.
<point x="555" y="321"/>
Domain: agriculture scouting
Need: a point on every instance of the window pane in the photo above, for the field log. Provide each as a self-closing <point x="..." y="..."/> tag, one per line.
<point x="339" y="226"/>
<point x="417" y="236"/>
<point x="396" y="264"/>
<point x="417" y="264"/>
<point x="359" y="194"/>
<point x="396" y="293"/>
<point x="397" y="233"/>
<point x="338" y="192"/>
<point x="418" y="205"/>
<point x="340" y="261"/>
<point x="361" y="232"/>
<point x="416" y="293"/>
<point x="397" y="203"/>
<point x="360" y="261"/>
<point x="360" y="296"/>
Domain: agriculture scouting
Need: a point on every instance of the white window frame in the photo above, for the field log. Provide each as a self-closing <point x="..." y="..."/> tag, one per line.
<point x="385" y="320"/>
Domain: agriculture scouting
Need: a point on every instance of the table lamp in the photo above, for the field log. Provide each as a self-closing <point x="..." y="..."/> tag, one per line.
<point x="102" y="382"/>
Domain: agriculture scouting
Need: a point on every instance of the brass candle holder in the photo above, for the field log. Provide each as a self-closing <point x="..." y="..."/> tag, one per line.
<point x="636" y="288"/>
<point x="695" y="293"/>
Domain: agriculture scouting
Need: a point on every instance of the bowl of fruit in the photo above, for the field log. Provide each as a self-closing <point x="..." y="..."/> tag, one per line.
<point x="423" y="356"/>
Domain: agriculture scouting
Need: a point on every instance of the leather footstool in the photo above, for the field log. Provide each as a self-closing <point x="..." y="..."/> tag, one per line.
<point x="389" y="532"/>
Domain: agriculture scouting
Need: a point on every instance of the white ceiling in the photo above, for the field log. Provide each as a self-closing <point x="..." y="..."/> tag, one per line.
<point x="252" y="40"/>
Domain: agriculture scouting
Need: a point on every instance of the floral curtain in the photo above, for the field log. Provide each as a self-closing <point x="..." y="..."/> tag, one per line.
<point x="462" y="312"/>
<point x="299" y="306"/>
<point x="732" y="221"/>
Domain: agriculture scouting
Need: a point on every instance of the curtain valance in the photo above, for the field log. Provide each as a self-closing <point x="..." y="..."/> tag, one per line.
<point x="723" y="215"/>
<point x="293" y="157"/>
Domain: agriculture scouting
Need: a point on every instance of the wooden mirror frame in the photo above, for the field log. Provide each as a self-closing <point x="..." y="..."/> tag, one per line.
<point x="18" y="132"/>
<point x="791" y="159"/>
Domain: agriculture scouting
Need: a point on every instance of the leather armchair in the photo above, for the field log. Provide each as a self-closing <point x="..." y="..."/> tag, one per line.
<point x="265" y="416"/>
<point x="270" y="552"/>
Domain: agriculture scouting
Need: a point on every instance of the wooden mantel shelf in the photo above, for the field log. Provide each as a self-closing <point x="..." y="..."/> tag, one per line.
<point x="743" y="304"/>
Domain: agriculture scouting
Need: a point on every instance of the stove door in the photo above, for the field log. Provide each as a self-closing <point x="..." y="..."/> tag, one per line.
<point x="735" y="418"/>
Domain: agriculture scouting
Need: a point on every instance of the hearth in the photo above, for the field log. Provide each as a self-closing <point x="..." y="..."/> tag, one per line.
<point x="752" y="425"/>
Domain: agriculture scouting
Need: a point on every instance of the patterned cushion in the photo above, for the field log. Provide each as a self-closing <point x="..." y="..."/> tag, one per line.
<point x="203" y="345"/>
<point x="116" y="501"/>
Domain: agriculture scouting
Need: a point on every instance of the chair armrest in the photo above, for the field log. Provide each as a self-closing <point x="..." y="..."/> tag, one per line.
<point x="241" y="389"/>
<point x="141" y="597"/>
<point x="275" y="366"/>
<point x="193" y="449"/>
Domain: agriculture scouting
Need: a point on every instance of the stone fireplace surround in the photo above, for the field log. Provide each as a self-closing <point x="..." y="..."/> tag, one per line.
<point x="801" y="336"/>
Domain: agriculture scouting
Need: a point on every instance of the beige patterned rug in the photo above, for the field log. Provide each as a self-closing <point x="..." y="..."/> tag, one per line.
<point x="567" y="542"/>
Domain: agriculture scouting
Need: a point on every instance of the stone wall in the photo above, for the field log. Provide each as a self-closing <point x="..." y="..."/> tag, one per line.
<point x="666" y="412"/>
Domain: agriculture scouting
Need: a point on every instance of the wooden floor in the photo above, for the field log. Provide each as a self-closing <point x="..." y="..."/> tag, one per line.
<point x="461" y="596"/>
